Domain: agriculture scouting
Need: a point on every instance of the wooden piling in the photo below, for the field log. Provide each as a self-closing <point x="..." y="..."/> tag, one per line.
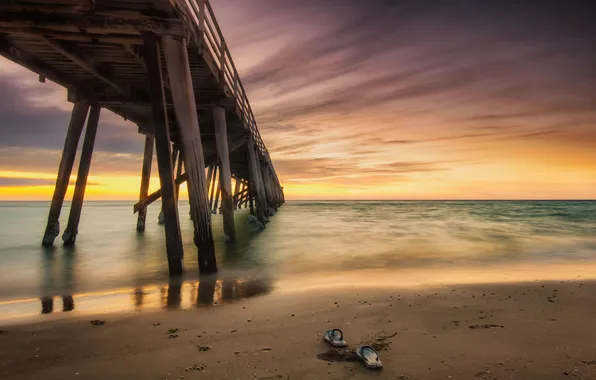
<point x="256" y="183"/>
<point x="75" y="127"/>
<point x="212" y="187"/>
<point x="161" y="217"/>
<point x="190" y="135"/>
<point x="225" y="173"/>
<point x="216" y="202"/>
<point x="236" y="193"/>
<point x="268" y="188"/>
<point x="72" y="227"/>
<point x="179" y="173"/>
<point x="145" y="178"/>
<point x="251" y="200"/>
<point x="162" y="146"/>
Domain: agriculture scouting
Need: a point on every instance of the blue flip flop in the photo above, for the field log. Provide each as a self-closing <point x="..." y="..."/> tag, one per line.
<point x="369" y="357"/>
<point x="335" y="338"/>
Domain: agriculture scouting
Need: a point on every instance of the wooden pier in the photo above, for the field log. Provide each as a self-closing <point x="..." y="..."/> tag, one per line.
<point x="165" y="66"/>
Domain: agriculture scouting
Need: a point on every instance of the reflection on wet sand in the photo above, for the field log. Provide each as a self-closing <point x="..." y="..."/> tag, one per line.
<point x="50" y="285"/>
<point x="58" y="284"/>
<point x="177" y="294"/>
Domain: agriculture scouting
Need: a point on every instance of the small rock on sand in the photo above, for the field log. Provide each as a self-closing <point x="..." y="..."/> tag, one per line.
<point x="97" y="322"/>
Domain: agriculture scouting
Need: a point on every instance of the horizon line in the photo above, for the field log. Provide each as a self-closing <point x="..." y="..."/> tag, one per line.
<point x="360" y="200"/>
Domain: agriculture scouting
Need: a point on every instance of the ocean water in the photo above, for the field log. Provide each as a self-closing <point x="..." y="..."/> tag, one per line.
<point x="306" y="245"/>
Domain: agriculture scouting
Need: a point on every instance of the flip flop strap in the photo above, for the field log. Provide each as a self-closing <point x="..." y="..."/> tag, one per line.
<point x="341" y="334"/>
<point x="370" y="348"/>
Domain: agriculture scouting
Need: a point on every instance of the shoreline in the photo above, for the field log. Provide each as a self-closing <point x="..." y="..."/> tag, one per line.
<point x="422" y="332"/>
<point x="187" y="293"/>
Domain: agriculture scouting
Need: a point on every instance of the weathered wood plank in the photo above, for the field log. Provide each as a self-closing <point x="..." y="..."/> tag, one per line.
<point x="85" y="62"/>
<point x="268" y="187"/>
<point x="256" y="183"/>
<point x="179" y="173"/>
<point x="145" y="179"/>
<point x="251" y="199"/>
<point x="75" y="127"/>
<point x="217" y="192"/>
<point x="72" y="228"/>
<point x="212" y="187"/>
<point x="188" y="124"/>
<point x="106" y="22"/>
<point x="162" y="146"/>
<point x="236" y="193"/>
<point x="225" y="175"/>
<point x="161" y="217"/>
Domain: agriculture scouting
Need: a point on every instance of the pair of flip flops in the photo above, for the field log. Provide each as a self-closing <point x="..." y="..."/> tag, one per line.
<point x="366" y="354"/>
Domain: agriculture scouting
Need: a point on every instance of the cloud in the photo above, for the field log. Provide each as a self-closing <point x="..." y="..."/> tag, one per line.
<point x="36" y="160"/>
<point x="32" y="117"/>
<point x="378" y="92"/>
<point x="19" y="182"/>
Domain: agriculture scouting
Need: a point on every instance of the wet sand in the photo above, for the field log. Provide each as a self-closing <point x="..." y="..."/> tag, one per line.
<point x="538" y="330"/>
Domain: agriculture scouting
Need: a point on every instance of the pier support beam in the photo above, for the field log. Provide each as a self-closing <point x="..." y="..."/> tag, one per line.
<point x="190" y="135"/>
<point x="236" y="195"/>
<point x="145" y="178"/>
<point x="75" y="127"/>
<point x="251" y="197"/>
<point x="72" y="227"/>
<point x="256" y="183"/>
<point x="162" y="146"/>
<point x="160" y="217"/>
<point x="268" y="188"/>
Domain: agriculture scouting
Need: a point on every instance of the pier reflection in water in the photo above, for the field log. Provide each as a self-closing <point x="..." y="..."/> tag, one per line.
<point x="59" y="291"/>
<point x="52" y="283"/>
<point x="177" y="294"/>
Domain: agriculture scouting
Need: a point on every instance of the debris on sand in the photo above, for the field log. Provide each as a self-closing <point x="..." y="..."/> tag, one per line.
<point x="97" y="322"/>
<point x="203" y="348"/>
<point x="485" y="326"/>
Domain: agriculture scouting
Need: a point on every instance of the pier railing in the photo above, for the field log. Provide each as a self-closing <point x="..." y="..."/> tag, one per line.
<point x="208" y="35"/>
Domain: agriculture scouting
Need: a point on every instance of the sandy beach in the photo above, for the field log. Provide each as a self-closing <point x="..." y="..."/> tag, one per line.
<point x="537" y="330"/>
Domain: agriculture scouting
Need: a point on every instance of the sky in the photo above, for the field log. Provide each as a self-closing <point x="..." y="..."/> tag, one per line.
<point x="368" y="100"/>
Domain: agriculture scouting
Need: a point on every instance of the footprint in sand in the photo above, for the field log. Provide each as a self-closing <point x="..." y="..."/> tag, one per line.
<point x="486" y="376"/>
<point x="195" y="367"/>
<point x="451" y="325"/>
<point x="338" y="355"/>
<point x="243" y="353"/>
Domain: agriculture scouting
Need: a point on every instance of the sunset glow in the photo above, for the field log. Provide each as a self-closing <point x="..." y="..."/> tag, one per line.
<point x="455" y="103"/>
